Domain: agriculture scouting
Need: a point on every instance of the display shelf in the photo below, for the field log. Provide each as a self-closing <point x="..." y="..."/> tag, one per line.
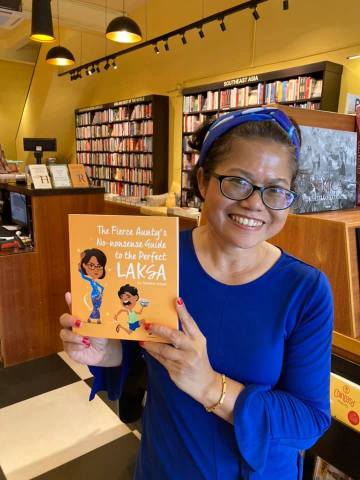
<point x="100" y="144"/>
<point x="314" y="86"/>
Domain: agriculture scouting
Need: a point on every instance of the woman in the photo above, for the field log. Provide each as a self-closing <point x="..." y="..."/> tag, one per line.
<point x="243" y="387"/>
<point x="92" y="268"/>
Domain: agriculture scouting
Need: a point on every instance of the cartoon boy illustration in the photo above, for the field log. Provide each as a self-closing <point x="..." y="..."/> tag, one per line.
<point x="129" y="296"/>
<point x="92" y="268"/>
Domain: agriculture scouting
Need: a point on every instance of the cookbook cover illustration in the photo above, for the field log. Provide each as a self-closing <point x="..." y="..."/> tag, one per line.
<point x="124" y="274"/>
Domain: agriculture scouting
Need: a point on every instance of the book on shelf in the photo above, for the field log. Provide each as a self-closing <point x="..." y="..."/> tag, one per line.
<point x="345" y="400"/>
<point x="40" y="176"/>
<point x="325" y="471"/>
<point x="78" y="175"/>
<point x="326" y="178"/>
<point x="60" y="176"/>
<point x="124" y="274"/>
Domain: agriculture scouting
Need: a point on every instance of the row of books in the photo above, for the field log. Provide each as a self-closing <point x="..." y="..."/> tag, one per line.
<point x="308" y="105"/>
<point x="133" y="175"/>
<point x="115" y="144"/>
<point x="201" y="102"/>
<point x="193" y="122"/>
<point x="127" y="112"/>
<point x="278" y="91"/>
<point x="132" y="160"/>
<point x="58" y="176"/>
<point x="115" y="130"/>
<point x="189" y="160"/>
<point x="295" y="89"/>
<point x="126" y="189"/>
<point x="185" y="179"/>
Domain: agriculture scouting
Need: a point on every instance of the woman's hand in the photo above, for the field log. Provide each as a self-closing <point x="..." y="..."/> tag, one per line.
<point x="186" y="359"/>
<point x="85" y="350"/>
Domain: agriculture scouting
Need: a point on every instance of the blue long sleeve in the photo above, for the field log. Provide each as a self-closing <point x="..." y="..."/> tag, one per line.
<point x="296" y="412"/>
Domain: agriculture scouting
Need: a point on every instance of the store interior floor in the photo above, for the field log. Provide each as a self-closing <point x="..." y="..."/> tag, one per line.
<point x="50" y="431"/>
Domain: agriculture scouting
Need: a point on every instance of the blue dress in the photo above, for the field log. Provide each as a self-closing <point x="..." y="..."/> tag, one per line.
<point x="97" y="291"/>
<point x="273" y="335"/>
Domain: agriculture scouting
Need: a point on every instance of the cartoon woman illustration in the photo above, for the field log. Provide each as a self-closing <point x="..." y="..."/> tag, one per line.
<point x="129" y="296"/>
<point x="92" y="268"/>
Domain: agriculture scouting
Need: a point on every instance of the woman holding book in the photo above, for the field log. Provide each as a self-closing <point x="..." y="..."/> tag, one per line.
<point x="243" y="387"/>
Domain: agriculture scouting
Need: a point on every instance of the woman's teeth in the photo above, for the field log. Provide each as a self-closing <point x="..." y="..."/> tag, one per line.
<point x="250" y="222"/>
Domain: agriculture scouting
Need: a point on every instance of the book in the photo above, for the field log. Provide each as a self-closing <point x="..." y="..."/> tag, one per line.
<point x="325" y="471"/>
<point x="60" y="176"/>
<point x="124" y="274"/>
<point x="327" y="170"/>
<point x="345" y="401"/>
<point x="78" y="175"/>
<point x="40" y="176"/>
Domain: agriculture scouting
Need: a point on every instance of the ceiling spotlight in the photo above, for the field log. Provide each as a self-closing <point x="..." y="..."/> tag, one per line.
<point x="87" y="72"/>
<point x="222" y="24"/>
<point x="285" y="4"/>
<point x="79" y="74"/>
<point x="166" y="45"/>
<point x="183" y="39"/>
<point x="72" y="76"/>
<point x="354" y="57"/>
<point x="107" y="65"/>
<point x="156" y="49"/>
<point x="114" y="66"/>
<point x="256" y="14"/>
<point x="201" y="32"/>
<point x="97" y="68"/>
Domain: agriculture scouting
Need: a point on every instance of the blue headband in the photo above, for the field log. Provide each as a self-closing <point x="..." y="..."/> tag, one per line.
<point x="230" y="120"/>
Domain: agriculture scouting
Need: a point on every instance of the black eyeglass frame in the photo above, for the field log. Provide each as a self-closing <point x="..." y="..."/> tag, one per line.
<point x="254" y="189"/>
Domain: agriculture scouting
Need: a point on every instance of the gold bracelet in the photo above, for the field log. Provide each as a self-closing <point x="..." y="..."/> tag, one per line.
<point x="222" y="396"/>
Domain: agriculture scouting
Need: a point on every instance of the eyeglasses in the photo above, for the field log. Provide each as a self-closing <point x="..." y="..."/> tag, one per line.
<point x="94" y="266"/>
<point x="238" y="188"/>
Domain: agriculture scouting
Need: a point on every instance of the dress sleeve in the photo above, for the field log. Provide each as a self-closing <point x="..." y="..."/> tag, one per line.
<point x="296" y="412"/>
<point x="112" y="379"/>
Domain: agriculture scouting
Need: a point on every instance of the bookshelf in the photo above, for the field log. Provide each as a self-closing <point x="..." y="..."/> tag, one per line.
<point x="313" y="87"/>
<point x="124" y="145"/>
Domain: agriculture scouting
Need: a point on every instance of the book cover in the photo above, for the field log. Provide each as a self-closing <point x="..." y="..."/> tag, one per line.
<point x="327" y="170"/>
<point x="345" y="401"/>
<point x="40" y="176"/>
<point x="325" y="471"/>
<point x="78" y="175"/>
<point x="124" y="273"/>
<point x="60" y="176"/>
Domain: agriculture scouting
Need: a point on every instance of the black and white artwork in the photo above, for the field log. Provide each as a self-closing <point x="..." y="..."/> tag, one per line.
<point x="327" y="170"/>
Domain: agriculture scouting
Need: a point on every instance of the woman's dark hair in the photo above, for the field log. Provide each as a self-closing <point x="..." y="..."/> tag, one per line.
<point x="266" y="129"/>
<point x="98" y="254"/>
<point x="128" y="288"/>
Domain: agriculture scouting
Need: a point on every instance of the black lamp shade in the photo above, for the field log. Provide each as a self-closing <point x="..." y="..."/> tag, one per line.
<point x="41" y="21"/>
<point x="60" y="56"/>
<point x="123" y="30"/>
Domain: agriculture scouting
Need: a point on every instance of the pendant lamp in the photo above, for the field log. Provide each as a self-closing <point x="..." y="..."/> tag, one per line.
<point x="41" y="22"/>
<point x="59" y="56"/>
<point x="123" y="29"/>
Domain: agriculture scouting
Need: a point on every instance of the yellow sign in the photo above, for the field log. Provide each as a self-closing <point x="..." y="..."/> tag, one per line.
<point x="345" y="401"/>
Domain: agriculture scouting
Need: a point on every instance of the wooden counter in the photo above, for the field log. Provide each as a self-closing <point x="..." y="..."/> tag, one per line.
<point x="33" y="282"/>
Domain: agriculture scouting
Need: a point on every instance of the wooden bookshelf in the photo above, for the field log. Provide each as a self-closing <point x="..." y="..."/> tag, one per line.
<point x="124" y="145"/>
<point x="312" y="87"/>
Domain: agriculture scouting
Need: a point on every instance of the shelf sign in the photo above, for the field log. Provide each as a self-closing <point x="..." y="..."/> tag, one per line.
<point x="131" y="100"/>
<point x="241" y="80"/>
<point x="88" y="109"/>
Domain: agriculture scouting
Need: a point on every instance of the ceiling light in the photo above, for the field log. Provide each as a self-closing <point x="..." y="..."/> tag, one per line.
<point x="285" y="4"/>
<point x="156" y="49"/>
<point x="107" y="65"/>
<point x="183" y="39"/>
<point x="79" y="74"/>
<point x="88" y="72"/>
<point x="353" y="57"/>
<point x="256" y="14"/>
<point x="97" y="68"/>
<point x="123" y="30"/>
<point x="41" y="22"/>
<point x="201" y="32"/>
<point x="222" y="24"/>
<point x="60" y="56"/>
<point x="93" y="69"/>
<point x="114" y="64"/>
<point x="166" y="45"/>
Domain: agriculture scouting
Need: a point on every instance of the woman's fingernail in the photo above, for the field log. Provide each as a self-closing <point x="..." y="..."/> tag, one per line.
<point x="147" y="326"/>
<point x="86" y="342"/>
<point x="179" y="301"/>
<point x="77" y="323"/>
<point x="141" y="344"/>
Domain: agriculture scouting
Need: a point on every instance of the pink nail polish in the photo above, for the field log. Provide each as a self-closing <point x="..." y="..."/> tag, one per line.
<point x="179" y="301"/>
<point x="141" y="344"/>
<point x="147" y="326"/>
<point x="86" y="342"/>
<point x="77" y="323"/>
